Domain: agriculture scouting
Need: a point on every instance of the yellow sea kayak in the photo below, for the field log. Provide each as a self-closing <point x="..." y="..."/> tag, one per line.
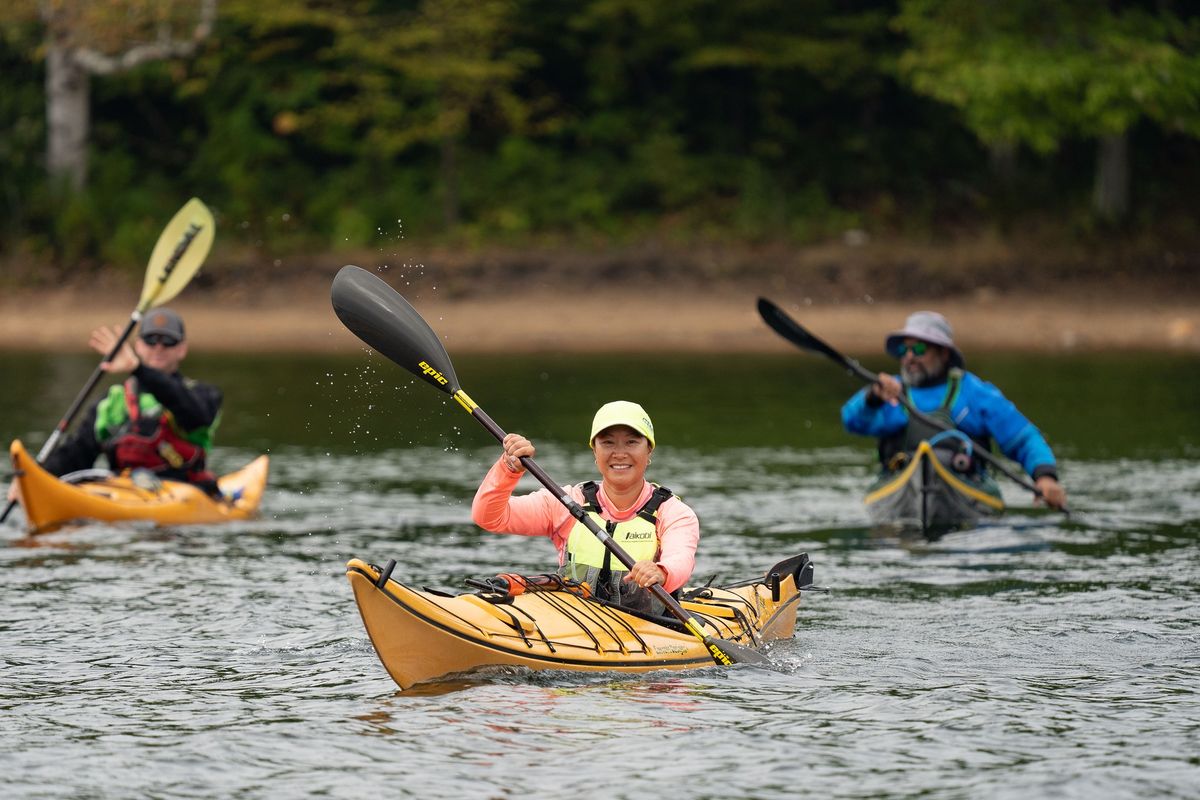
<point x="420" y="634"/>
<point x="50" y="502"/>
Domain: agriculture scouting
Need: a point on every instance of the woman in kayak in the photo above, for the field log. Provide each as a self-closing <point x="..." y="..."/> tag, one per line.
<point x="657" y="529"/>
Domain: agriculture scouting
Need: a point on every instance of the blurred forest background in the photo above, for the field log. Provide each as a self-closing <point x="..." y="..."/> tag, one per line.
<point x="1070" y="127"/>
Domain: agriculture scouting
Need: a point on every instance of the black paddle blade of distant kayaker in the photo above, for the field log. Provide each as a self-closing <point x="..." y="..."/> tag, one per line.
<point x="377" y="314"/>
<point x="778" y="321"/>
<point x="381" y="317"/>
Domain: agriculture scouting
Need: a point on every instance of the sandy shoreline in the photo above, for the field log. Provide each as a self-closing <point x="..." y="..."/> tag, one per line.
<point x="299" y="318"/>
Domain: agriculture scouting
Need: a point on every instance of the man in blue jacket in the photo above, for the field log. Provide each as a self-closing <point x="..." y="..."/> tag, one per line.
<point x="933" y="379"/>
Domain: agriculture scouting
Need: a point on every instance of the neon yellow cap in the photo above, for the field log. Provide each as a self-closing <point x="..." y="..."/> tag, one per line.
<point x="622" y="412"/>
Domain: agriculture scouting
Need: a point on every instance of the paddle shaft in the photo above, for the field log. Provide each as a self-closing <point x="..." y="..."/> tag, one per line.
<point x="81" y="398"/>
<point x="672" y="605"/>
<point x="794" y="332"/>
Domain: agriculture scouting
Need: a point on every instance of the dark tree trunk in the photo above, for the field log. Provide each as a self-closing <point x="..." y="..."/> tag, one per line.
<point x="1110" y="200"/>
<point x="450" y="209"/>
<point x="1003" y="158"/>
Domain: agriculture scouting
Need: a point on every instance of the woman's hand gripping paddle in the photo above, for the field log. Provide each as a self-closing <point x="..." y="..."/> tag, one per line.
<point x="181" y="249"/>
<point x="380" y="317"/>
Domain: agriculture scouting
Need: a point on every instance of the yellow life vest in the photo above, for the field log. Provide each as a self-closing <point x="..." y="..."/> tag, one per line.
<point x="587" y="559"/>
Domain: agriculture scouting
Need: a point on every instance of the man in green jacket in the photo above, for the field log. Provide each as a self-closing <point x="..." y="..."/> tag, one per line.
<point x="156" y="419"/>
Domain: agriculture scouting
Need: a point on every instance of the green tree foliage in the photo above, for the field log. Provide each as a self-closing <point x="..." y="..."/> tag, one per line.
<point x="341" y="115"/>
<point x="74" y="40"/>
<point x="310" y="125"/>
<point x="1035" y="73"/>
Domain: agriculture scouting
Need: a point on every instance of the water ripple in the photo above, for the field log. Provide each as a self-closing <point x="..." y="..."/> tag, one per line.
<point x="1035" y="657"/>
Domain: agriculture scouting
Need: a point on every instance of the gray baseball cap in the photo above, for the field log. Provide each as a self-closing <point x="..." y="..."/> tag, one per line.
<point x="164" y="321"/>
<point x="927" y="326"/>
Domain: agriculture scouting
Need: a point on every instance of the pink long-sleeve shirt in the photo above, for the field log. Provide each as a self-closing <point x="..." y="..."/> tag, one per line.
<point x="541" y="514"/>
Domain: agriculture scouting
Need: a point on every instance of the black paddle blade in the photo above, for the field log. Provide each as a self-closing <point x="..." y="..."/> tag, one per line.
<point x="720" y="649"/>
<point x="377" y="314"/>
<point x="778" y="321"/>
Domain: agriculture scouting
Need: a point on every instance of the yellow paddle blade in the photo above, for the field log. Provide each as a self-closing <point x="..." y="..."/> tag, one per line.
<point x="177" y="256"/>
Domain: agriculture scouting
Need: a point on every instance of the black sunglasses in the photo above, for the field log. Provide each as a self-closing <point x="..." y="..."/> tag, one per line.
<point x="916" y="348"/>
<point x="164" y="339"/>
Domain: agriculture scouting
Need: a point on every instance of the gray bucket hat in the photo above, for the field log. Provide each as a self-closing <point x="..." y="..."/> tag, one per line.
<point x="928" y="326"/>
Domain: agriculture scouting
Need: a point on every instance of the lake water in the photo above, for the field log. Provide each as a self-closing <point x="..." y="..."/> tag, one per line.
<point x="1039" y="656"/>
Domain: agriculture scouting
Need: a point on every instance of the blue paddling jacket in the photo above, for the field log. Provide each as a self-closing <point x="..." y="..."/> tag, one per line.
<point x="979" y="410"/>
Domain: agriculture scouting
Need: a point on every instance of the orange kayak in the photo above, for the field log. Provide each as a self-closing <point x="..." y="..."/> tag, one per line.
<point x="49" y="502"/>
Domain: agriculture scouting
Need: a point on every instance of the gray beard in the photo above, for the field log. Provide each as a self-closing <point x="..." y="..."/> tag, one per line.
<point x="916" y="376"/>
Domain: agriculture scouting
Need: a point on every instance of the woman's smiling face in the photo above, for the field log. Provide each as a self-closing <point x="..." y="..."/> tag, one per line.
<point x="622" y="455"/>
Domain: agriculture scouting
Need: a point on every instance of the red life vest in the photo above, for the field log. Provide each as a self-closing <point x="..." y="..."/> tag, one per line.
<point x="153" y="443"/>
